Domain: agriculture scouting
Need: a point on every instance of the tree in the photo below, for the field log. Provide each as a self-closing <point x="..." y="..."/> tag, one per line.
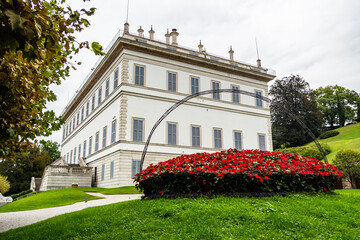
<point x="294" y="94"/>
<point x="22" y="167"/>
<point x="37" y="44"/>
<point x="4" y="184"/>
<point x="52" y="148"/>
<point x="348" y="161"/>
<point x="337" y="104"/>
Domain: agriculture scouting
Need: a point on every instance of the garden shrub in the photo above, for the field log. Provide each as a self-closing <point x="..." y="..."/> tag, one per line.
<point x="329" y="134"/>
<point x="16" y="195"/>
<point x="4" y="184"/>
<point x="233" y="171"/>
<point x="307" y="151"/>
<point x="348" y="161"/>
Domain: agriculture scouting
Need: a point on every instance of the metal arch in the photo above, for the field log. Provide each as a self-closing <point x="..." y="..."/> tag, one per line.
<point x="176" y="105"/>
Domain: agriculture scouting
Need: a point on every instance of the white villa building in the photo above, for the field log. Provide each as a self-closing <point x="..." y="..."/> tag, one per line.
<point x="109" y="119"/>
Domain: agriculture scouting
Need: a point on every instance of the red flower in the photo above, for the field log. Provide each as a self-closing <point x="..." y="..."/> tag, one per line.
<point x="325" y="189"/>
<point x="160" y="192"/>
<point x="204" y="182"/>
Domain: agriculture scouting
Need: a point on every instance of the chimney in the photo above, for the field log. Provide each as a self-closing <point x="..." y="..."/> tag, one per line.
<point x="140" y="32"/>
<point x="231" y="53"/>
<point x="151" y="33"/>
<point x="167" y="36"/>
<point x="258" y="63"/>
<point x="174" y="35"/>
<point x="201" y="47"/>
<point x="126" y="27"/>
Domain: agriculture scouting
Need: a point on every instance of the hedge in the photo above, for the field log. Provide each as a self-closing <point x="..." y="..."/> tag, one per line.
<point x="233" y="171"/>
<point x="307" y="151"/>
<point x="329" y="134"/>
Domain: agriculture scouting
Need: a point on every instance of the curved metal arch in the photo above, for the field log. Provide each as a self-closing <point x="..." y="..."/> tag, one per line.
<point x="176" y="105"/>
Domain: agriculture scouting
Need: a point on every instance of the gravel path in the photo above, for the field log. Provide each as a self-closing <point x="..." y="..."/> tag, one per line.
<point x="12" y="220"/>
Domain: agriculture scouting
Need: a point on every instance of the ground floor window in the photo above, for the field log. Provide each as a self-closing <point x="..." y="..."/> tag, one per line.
<point x="262" y="145"/>
<point x="102" y="172"/>
<point x="112" y="170"/>
<point x="135" y="167"/>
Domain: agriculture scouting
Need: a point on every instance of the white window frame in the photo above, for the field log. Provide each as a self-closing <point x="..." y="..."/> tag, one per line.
<point x="133" y="129"/>
<point x="221" y="138"/>
<point x="170" y="84"/>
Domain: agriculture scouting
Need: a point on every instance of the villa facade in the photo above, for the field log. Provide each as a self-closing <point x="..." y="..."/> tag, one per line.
<point x="110" y="117"/>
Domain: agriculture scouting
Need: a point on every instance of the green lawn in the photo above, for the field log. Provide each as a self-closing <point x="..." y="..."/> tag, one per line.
<point x="349" y="138"/>
<point x="61" y="197"/>
<point x="297" y="216"/>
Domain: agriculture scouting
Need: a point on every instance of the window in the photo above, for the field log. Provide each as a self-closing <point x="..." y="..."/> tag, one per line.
<point x="79" y="151"/>
<point x="237" y="140"/>
<point x="67" y="158"/>
<point x="113" y="127"/>
<point x="194" y="85"/>
<point x="87" y="108"/>
<point x="63" y="133"/>
<point x="93" y="103"/>
<point x="216" y="86"/>
<point x="258" y="99"/>
<point x="84" y="149"/>
<point x="235" y="95"/>
<point x="195" y="136"/>
<point x="137" y="130"/>
<point x="99" y="96"/>
<point x="172" y="81"/>
<point x="217" y="138"/>
<point x="139" y="75"/>
<point x="96" y="141"/>
<point x="90" y="144"/>
<point x="172" y="133"/>
<point x="74" y="123"/>
<point x="107" y="88"/>
<point x="71" y="155"/>
<point x="135" y="167"/>
<point x="70" y="126"/>
<point x="82" y="114"/>
<point x="116" y="78"/>
<point x="74" y="155"/>
<point x="112" y="170"/>
<point x="102" y="172"/>
<point x="104" y="137"/>
<point x="262" y="146"/>
<point x="66" y="131"/>
<point x="78" y="118"/>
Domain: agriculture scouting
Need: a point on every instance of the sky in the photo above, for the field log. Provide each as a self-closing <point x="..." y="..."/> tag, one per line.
<point x="316" y="39"/>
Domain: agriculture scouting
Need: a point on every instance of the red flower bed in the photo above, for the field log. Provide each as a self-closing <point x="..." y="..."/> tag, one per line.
<point x="234" y="171"/>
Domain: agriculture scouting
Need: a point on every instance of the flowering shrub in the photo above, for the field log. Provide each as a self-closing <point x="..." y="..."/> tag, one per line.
<point x="233" y="171"/>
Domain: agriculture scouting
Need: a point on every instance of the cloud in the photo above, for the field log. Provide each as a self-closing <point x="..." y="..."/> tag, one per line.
<point x="318" y="40"/>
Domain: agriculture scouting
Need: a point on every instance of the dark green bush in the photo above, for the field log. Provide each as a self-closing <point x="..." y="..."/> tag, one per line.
<point x="16" y="195"/>
<point x="329" y="134"/>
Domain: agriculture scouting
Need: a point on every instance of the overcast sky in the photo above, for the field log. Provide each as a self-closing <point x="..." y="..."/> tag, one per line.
<point x="316" y="39"/>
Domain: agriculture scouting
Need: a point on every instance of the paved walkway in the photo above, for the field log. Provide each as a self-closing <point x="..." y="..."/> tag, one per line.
<point x="12" y="220"/>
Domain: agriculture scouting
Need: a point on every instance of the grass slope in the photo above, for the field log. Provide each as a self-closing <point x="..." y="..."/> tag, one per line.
<point x="349" y="138"/>
<point x="61" y="197"/>
<point x="297" y="216"/>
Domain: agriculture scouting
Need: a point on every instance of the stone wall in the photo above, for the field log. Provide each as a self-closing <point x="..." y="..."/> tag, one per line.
<point x="56" y="177"/>
<point x="122" y="167"/>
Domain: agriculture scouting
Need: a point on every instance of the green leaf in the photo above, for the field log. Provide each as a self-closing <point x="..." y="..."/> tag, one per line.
<point x="97" y="48"/>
